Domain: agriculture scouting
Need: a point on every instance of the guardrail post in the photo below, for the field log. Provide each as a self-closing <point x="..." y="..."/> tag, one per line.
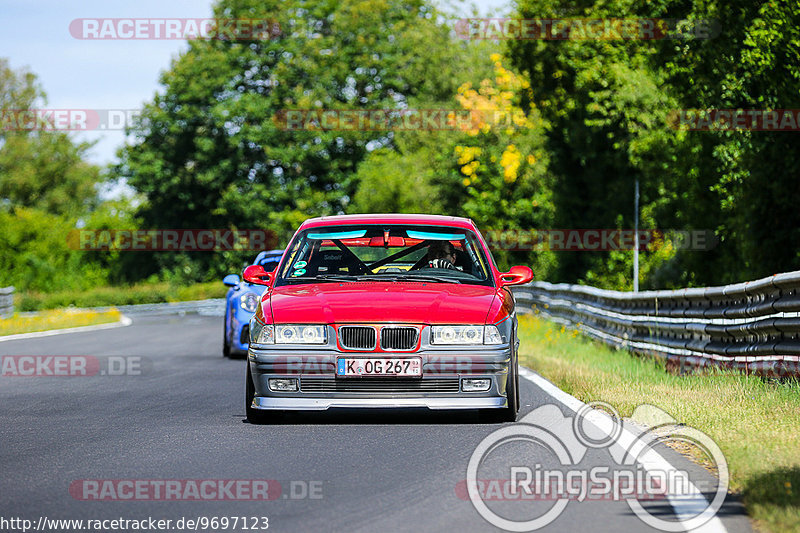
<point x="6" y="301"/>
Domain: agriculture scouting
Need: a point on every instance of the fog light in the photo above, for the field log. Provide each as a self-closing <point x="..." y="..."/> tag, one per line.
<point x="283" y="385"/>
<point x="475" y="385"/>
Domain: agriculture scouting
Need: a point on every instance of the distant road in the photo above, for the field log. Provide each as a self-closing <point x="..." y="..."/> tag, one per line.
<point x="183" y="419"/>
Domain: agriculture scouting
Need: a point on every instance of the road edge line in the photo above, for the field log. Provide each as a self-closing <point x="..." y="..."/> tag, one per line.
<point x="681" y="507"/>
<point x="124" y="321"/>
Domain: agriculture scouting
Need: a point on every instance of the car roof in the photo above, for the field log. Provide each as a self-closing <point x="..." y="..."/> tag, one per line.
<point x="264" y="255"/>
<point x="389" y="218"/>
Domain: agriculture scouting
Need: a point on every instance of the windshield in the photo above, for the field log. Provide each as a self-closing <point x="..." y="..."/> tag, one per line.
<point x="386" y="252"/>
<point x="270" y="263"/>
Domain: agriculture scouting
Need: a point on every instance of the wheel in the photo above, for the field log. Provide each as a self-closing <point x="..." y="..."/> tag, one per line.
<point x="226" y="343"/>
<point x="226" y="346"/>
<point x="254" y="416"/>
<point x="509" y="412"/>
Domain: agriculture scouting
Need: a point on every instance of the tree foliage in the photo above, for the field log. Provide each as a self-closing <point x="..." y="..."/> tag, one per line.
<point x="607" y="103"/>
<point x="562" y="131"/>
<point x="46" y="186"/>
<point x="39" y="168"/>
<point x="211" y="151"/>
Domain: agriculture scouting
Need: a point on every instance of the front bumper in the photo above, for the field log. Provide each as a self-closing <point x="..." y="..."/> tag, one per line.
<point x="440" y="386"/>
<point x="240" y="337"/>
<point x="320" y="404"/>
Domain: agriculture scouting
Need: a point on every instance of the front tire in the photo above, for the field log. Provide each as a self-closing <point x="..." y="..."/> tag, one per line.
<point x="226" y="344"/>
<point x="509" y="412"/>
<point x="254" y="416"/>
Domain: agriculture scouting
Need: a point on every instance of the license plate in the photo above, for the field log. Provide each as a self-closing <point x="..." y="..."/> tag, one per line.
<point x="373" y="366"/>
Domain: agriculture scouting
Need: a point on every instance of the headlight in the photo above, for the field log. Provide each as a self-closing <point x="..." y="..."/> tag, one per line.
<point x="491" y="335"/>
<point x="465" y="335"/>
<point x="300" y="334"/>
<point x="261" y="333"/>
<point x="249" y="301"/>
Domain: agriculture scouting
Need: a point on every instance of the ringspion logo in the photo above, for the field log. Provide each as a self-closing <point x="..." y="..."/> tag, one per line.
<point x="637" y="473"/>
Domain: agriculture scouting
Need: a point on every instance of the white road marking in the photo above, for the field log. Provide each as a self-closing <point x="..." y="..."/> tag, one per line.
<point x="684" y="506"/>
<point x="123" y="322"/>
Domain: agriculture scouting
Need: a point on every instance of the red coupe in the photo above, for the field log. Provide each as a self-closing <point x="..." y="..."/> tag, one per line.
<point x="384" y="311"/>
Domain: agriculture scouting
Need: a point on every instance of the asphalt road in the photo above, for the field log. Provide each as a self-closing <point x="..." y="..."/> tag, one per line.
<point x="182" y="418"/>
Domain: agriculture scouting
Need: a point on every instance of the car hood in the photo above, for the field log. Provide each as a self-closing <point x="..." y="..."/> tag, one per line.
<point x="419" y="303"/>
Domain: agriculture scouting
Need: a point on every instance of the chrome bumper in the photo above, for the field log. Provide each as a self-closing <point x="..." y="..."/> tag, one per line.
<point x="320" y="404"/>
<point x="452" y="365"/>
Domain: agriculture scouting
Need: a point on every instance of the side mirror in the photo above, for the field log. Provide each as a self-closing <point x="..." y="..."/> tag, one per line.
<point x="231" y="280"/>
<point x="517" y="275"/>
<point x="256" y="275"/>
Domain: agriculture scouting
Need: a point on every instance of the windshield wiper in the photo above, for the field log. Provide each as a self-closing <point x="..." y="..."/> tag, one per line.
<point x="325" y="277"/>
<point x="424" y="277"/>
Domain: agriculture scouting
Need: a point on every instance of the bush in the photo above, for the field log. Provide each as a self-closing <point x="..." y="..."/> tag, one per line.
<point x="109" y="296"/>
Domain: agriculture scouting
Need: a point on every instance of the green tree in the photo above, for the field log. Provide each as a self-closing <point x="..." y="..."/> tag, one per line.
<point x="211" y="150"/>
<point x="494" y="171"/>
<point x="39" y="168"/>
<point x="46" y="187"/>
<point x="608" y="102"/>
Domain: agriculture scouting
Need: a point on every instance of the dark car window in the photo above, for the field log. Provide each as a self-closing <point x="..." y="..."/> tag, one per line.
<point x="270" y="264"/>
<point x="391" y="252"/>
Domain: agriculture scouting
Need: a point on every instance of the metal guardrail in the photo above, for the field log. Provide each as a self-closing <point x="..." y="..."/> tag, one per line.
<point x="210" y="307"/>
<point x="752" y="326"/>
<point x="6" y="301"/>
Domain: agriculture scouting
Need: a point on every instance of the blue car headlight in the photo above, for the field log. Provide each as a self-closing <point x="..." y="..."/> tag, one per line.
<point x="249" y="301"/>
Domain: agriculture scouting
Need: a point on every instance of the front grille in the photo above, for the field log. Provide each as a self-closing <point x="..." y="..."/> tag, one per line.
<point x="377" y="386"/>
<point x="357" y="337"/>
<point x="402" y="338"/>
<point x="244" y="338"/>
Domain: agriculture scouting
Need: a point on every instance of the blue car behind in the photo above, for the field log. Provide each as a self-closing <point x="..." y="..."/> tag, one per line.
<point x="240" y="304"/>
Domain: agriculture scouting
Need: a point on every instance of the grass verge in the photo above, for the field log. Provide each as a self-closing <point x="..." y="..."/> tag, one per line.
<point x="755" y="423"/>
<point x="57" y="319"/>
<point x="145" y="293"/>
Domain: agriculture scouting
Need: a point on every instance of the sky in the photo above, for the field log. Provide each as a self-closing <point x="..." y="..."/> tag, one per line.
<point x="111" y="74"/>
